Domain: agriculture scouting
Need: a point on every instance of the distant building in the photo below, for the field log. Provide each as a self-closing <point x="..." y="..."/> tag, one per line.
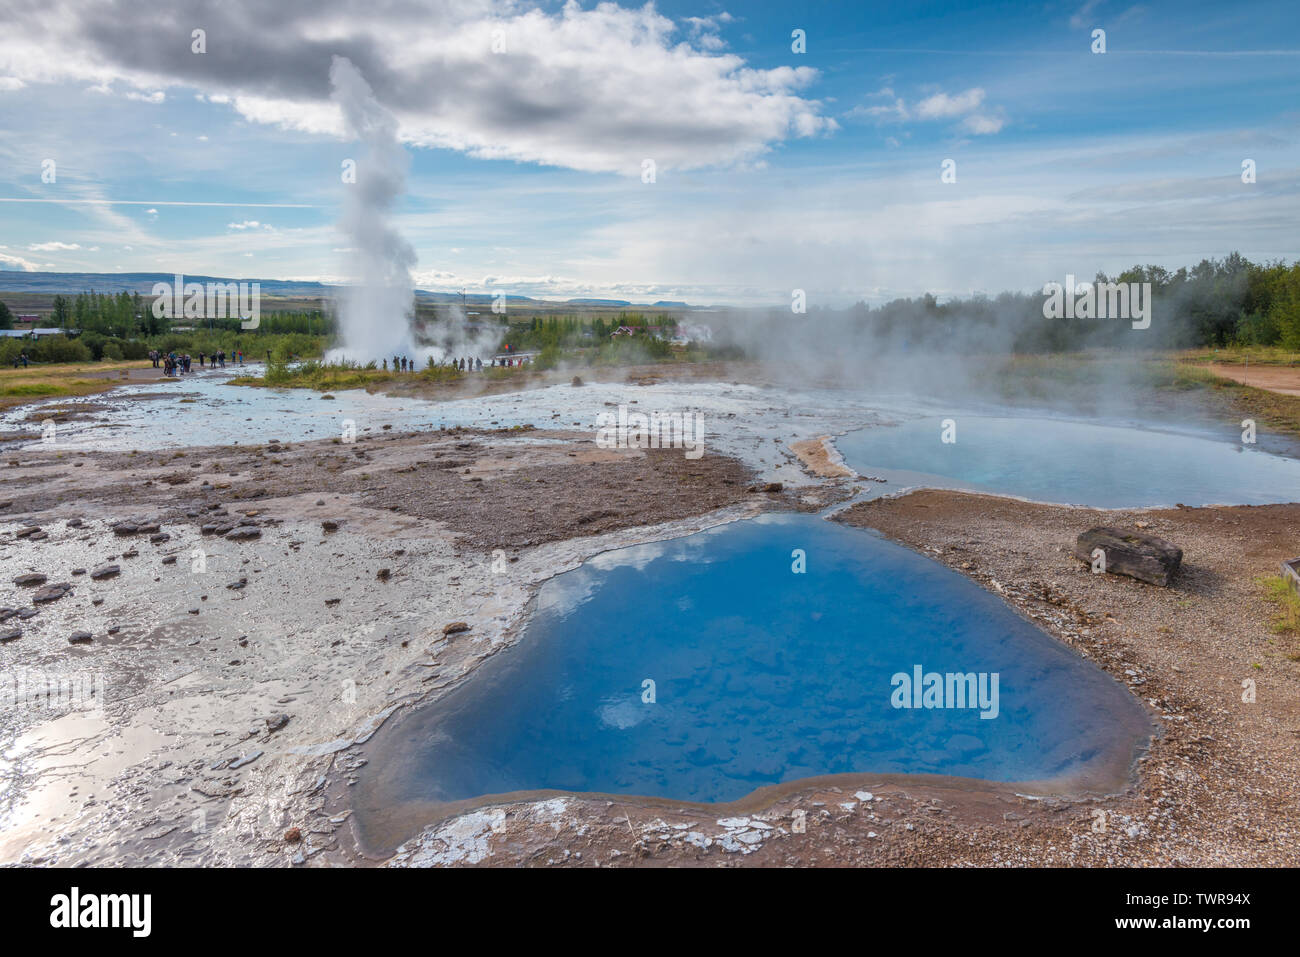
<point x="39" y="333"/>
<point x="660" y="331"/>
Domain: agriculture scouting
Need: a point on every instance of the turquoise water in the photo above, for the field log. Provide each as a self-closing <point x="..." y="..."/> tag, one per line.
<point x="1074" y="463"/>
<point x="761" y="676"/>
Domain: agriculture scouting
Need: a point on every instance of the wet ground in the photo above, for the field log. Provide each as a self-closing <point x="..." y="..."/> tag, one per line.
<point x="310" y="589"/>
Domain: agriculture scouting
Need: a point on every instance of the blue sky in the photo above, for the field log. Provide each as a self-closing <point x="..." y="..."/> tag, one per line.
<point x="774" y="170"/>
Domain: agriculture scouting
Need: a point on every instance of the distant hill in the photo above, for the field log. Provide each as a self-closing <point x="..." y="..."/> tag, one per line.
<point x="71" y="283"/>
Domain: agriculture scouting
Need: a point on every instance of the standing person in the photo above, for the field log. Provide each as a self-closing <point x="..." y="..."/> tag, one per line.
<point x="202" y="356"/>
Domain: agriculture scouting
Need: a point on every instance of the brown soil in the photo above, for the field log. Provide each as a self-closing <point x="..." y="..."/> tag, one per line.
<point x="496" y="489"/>
<point x="1284" y="380"/>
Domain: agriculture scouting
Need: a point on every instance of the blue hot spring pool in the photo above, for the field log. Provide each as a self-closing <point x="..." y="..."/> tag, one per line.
<point x="1074" y="463"/>
<point x="761" y="676"/>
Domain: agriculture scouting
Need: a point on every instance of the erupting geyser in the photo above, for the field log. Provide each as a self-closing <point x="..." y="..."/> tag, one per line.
<point x="375" y="310"/>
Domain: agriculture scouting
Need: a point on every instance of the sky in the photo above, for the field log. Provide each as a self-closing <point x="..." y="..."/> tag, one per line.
<point x="530" y="128"/>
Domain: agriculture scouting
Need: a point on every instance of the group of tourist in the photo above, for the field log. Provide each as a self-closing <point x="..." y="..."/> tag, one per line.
<point x="462" y="364"/>
<point x="178" y="364"/>
<point x="218" y="359"/>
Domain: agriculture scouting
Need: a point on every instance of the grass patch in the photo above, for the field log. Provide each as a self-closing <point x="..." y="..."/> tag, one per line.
<point x="333" y="376"/>
<point x="1241" y="355"/>
<point x="34" y="389"/>
<point x="1278" y="590"/>
<point x="1280" y="413"/>
<point x="18" y="386"/>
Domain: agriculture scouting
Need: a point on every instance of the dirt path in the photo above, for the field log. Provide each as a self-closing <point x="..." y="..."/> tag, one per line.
<point x="1284" y="380"/>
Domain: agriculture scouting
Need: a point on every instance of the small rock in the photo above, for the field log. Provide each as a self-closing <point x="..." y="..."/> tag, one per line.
<point x="80" y="638"/>
<point x="243" y="532"/>
<point x="240" y="761"/>
<point x="10" y="634"/>
<point x="293" y="835"/>
<point x="31" y="578"/>
<point x="455" y="628"/>
<point x="106" y="571"/>
<point x="51" y="593"/>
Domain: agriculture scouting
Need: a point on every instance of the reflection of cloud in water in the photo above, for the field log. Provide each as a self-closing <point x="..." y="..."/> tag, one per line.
<point x="622" y="712"/>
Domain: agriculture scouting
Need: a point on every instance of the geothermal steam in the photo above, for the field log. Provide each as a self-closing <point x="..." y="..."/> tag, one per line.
<point x="375" y="310"/>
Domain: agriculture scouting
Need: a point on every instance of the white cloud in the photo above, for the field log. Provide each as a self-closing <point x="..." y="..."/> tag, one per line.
<point x="250" y="224"/>
<point x="941" y="106"/>
<point x="157" y="96"/>
<point x="17" y="262"/>
<point x="10" y="83"/>
<point x="53" y="246"/>
<point x="1083" y="16"/>
<point x="981" y="124"/>
<point x="936" y="106"/>
<point x="595" y="89"/>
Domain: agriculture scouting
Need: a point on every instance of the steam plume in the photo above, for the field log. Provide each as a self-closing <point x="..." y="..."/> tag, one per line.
<point x="376" y="309"/>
